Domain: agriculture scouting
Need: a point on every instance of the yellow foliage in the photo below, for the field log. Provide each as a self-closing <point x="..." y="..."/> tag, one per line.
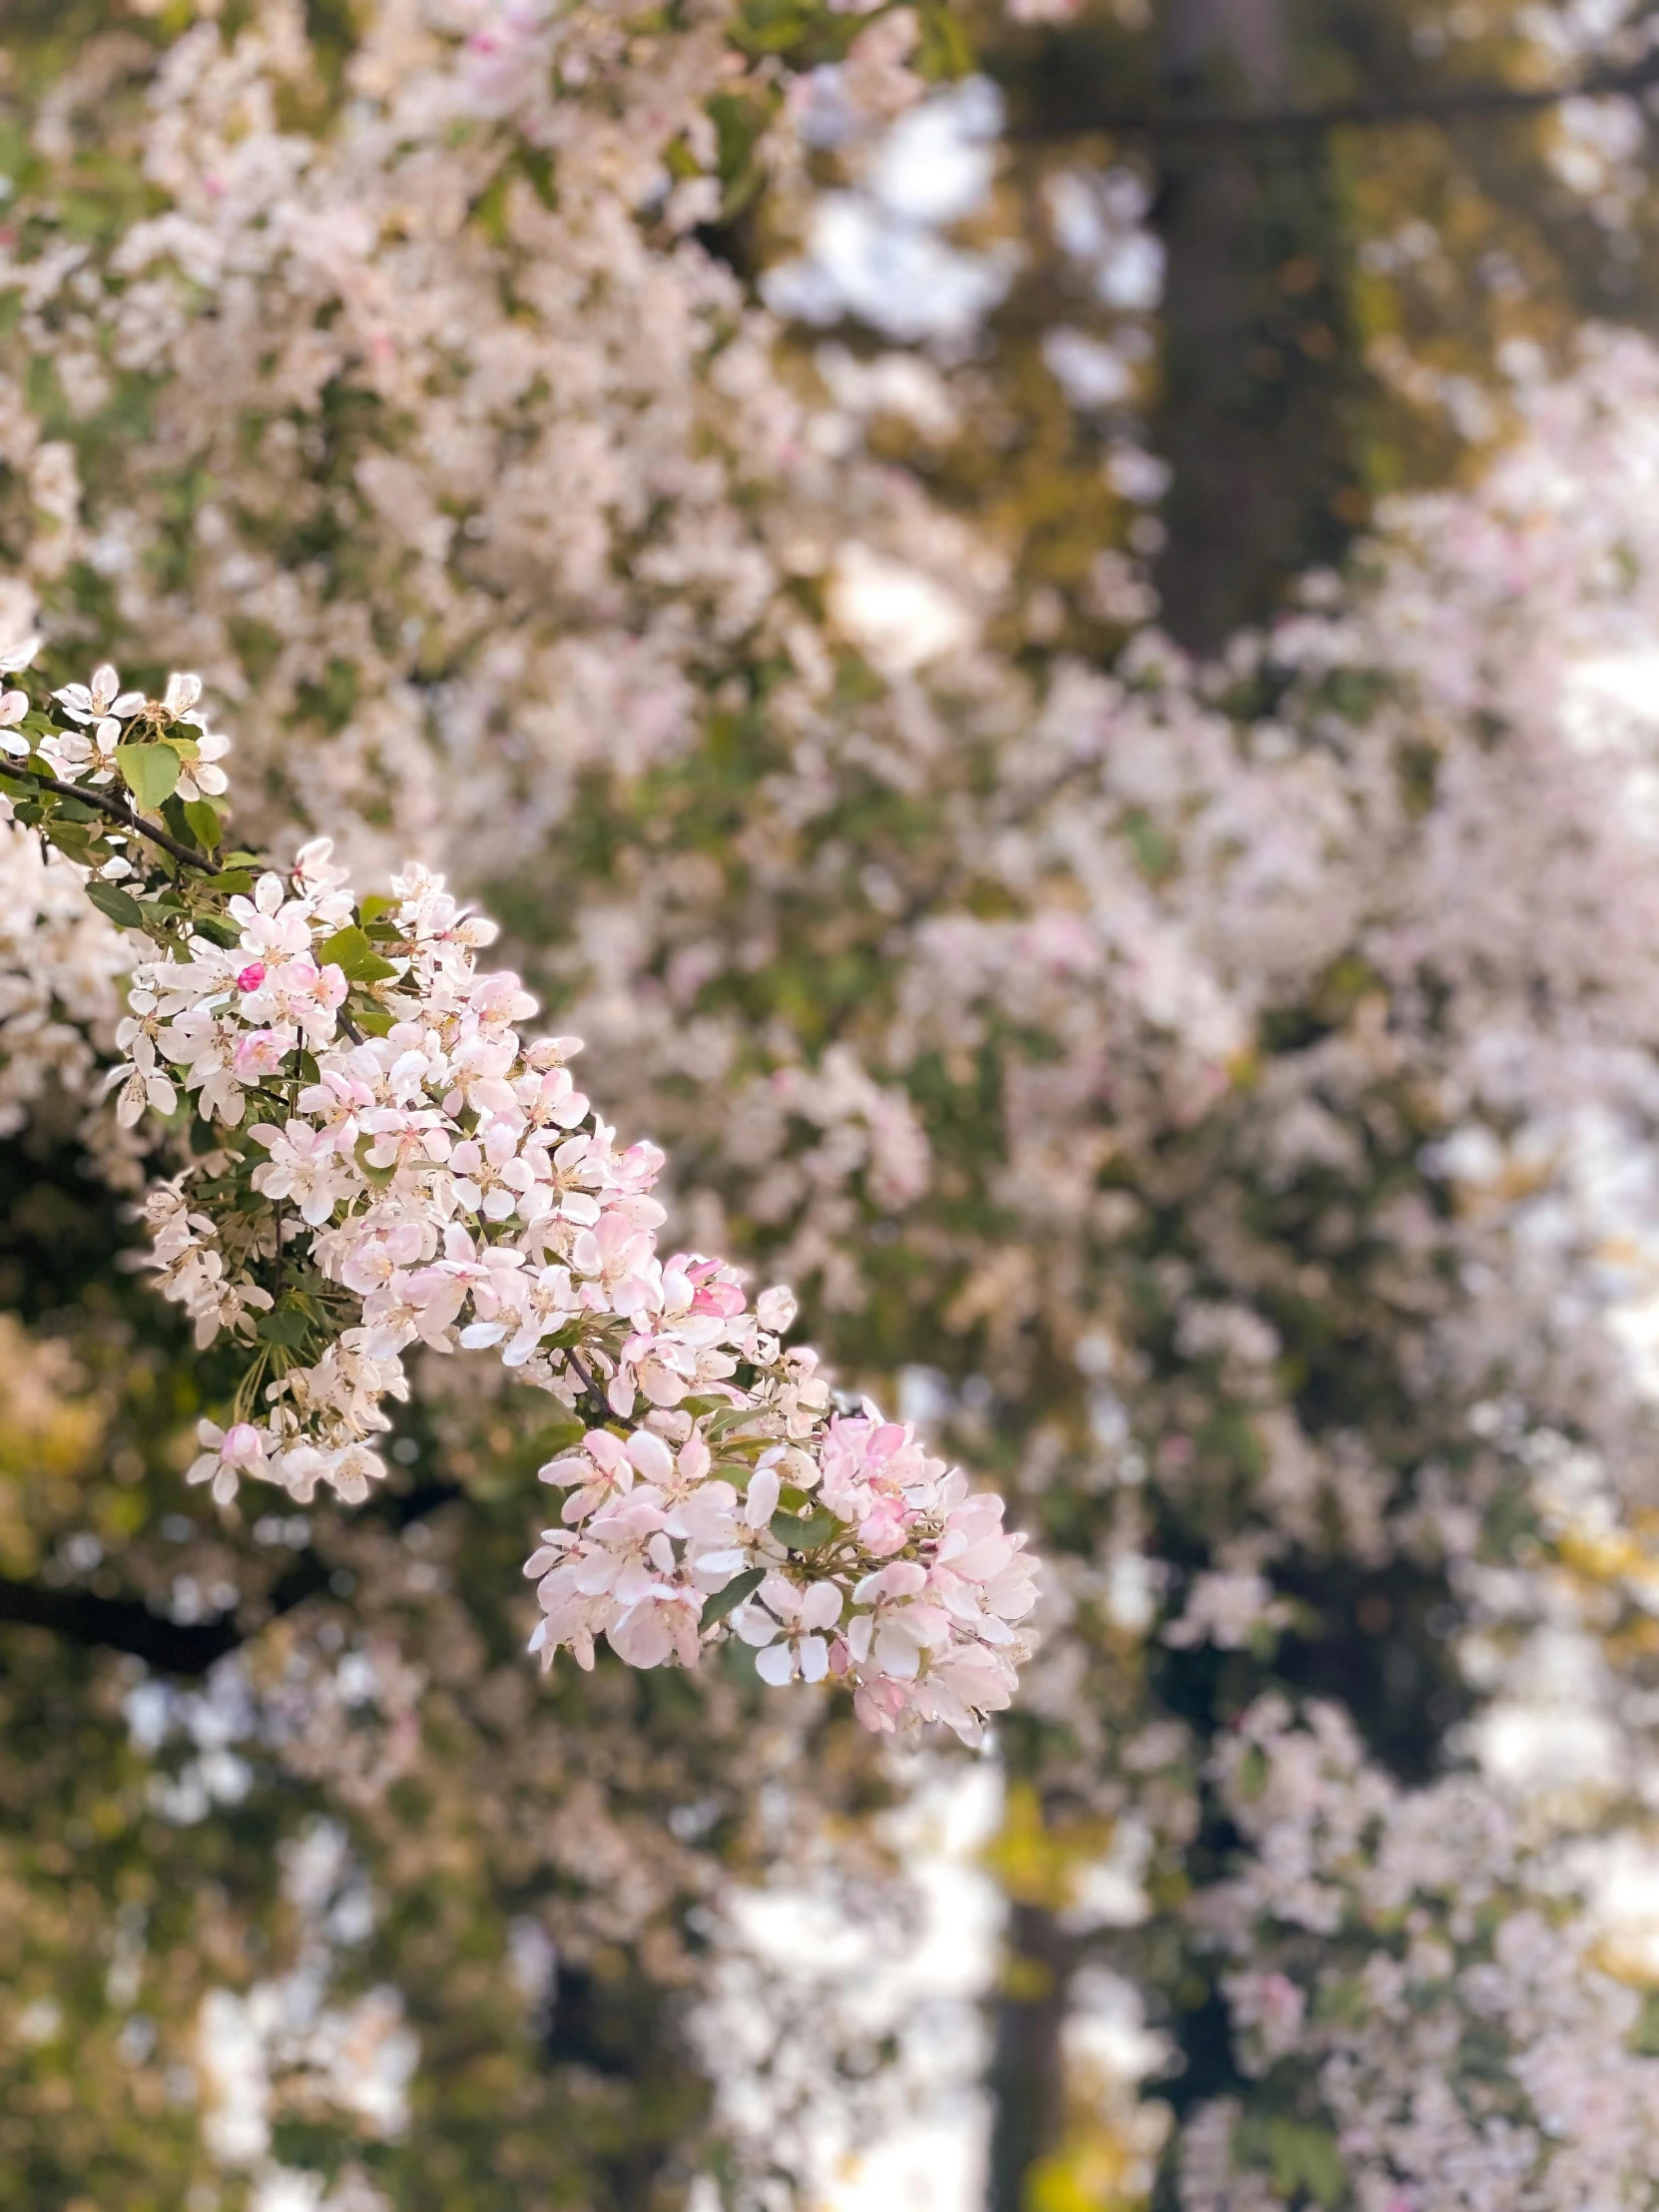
<point x="1094" y="2170"/>
<point x="1039" y="1863"/>
<point x="51" y="1425"/>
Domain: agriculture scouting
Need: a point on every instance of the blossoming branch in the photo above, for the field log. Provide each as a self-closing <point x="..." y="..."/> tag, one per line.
<point x="377" y="1160"/>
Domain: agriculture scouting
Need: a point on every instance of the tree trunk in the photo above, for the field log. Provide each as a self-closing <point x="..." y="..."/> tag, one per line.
<point x="1027" y="2081"/>
<point x="1254" y="415"/>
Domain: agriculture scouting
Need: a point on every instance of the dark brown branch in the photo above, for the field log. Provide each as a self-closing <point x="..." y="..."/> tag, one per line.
<point x="190" y="1648"/>
<point x="120" y="1624"/>
<point x="591" y="1388"/>
<point x="121" y="812"/>
<point x="1456" y="103"/>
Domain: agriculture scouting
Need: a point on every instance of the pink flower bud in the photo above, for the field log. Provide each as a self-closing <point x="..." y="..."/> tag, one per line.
<point x="251" y="976"/>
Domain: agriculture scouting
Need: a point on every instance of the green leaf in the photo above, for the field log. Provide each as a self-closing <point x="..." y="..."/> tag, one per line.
<point x="774" y="26"/>
<point x="217" y="932"/>
<point x="804" y="1533"/>
<point x="944" y="50"/>
<point x="720" y="1421"/>
<point x="285" y="1324"/>
<point x="349" y="950"/>
<point x="1306" y="2160"/>
<point x="1153" y="849"/>
<point x="120" y="905"/>
<point x="203" y="824"/>
<point x="740" y="122"/>
<point x="375" y="1019"/>
<point x="1253" y="1773"/>
<point x="379" y="1176"/>
<point x="374" y="906"/>
<point x="728" y="1600"/>
<point x="70" y="838"/>
<point x="149" y="772"/>
<point x="232" y="880"/>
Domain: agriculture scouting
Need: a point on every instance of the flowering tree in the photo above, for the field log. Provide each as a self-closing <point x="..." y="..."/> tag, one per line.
<point x="1154" y="1062"/>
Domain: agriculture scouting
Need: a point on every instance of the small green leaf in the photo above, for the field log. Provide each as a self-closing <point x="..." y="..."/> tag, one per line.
<point x="374" y="906"/>
<point x="70" y="838"/>
<point x="286" y="1326"/>
<point x="728" y="1600"/>
<point x="945" y="52"/>
<point x="774" y="26"/>
<point x="120" y="905"/>
<point x="721" y="1419"/>
<point x="349" y="950"/>
<point x="232" y="880"/>
<point x="217" y="932"/>
<point x="379" y="1176"/>
<point x="1306" y="2160"/>
<point x="375" y="1019"/>
<point x="804" y="1533"/>
<point x="149" y="772"/>
<point x="203" y="824"/>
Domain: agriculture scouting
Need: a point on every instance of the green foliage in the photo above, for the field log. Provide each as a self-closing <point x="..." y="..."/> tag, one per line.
<point x="149" y="771"/>
<point x="350" y="951"/>
<point x="1305" y="2165"/>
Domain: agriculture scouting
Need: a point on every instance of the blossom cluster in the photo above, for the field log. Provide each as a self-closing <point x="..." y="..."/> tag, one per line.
<point x="1372" y="1933"/>
<point x="387" y="1164"/>
<point x="913" y="1587"/>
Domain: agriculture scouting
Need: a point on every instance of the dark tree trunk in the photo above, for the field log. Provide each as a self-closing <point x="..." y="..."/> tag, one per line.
<point x="1258" y="371"/>
<point x="1026" y="2080"/>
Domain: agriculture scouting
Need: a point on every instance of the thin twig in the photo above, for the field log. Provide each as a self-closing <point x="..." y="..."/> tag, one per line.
<point x="590" y="1386"/>
<point x="121" y="813"/>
